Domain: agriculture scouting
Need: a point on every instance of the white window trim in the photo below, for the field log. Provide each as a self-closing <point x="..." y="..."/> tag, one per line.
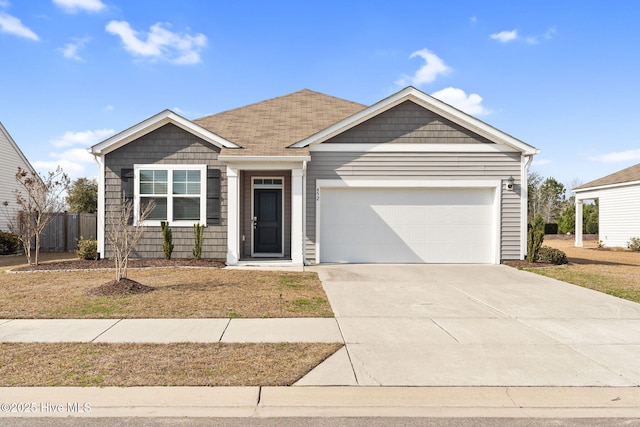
<point x="170" y="168"/>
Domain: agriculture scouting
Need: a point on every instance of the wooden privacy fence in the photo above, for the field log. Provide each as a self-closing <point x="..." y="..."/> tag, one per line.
<point x="64" y="230"/>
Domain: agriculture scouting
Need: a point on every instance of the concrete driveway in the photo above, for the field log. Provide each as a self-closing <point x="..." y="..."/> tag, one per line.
<point x="475" y="325"/>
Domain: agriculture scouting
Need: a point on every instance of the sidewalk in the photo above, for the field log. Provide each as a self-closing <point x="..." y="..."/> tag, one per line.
<point x="170" y="330"/>
<point x="519" y="402"/>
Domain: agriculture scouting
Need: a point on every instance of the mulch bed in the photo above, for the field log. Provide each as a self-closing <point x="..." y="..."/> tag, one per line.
<point x="121" y="287"/>
<point x="79" y="264"/>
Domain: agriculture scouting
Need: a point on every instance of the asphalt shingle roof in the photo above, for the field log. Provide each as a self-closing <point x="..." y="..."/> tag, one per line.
<point x="629" y="174"/>
<point x="267" y="128"/>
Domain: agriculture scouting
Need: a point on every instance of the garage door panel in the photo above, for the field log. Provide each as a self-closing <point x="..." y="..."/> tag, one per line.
<point x="401" y="225"/>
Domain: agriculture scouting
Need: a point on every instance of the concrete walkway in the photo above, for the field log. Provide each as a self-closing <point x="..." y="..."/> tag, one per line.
<point x="170" y="330"/>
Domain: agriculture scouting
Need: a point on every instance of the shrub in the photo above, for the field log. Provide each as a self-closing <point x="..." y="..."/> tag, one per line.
<point x="634" y="244"/>
<point x="535" y="237"/>
<point x="198" y="231"/>
<point x="9" y="243"/>
<point x="87" y="249"/>
<point x="552" y="255"/>
<point x="167" y="240"/>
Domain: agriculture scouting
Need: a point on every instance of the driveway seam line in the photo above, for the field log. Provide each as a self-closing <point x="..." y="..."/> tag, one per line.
<point x="346" y="348"/>
<point x="224" y="330"/>
<point x="445" y="331"/>
<point x="106" y="330"/>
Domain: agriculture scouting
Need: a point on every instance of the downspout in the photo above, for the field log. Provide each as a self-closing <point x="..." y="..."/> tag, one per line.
<point x="524" y="208"/>
<point x="304" y="212"/>
<point x="101" y="205"/>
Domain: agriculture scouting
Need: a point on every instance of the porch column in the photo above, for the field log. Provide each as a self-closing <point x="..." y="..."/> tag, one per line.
<point x="233" y="219"/>
<point x="578" y="223"/>
<point x="297" y="256"/>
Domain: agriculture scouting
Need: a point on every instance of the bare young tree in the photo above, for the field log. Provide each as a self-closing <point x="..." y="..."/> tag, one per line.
<point x="122" y="236"/>
<point x="37" y="199"/>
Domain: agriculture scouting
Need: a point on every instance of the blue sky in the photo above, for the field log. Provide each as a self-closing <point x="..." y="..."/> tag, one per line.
<point x="561" y="76"/>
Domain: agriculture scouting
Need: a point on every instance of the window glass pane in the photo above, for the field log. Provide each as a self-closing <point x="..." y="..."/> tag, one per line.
<point x="193" y="188"/>
<point x="159" y="211"/>
<point x="186" y="208"/>
<point x="186" y="182"/>
<point x="153" y="182"/>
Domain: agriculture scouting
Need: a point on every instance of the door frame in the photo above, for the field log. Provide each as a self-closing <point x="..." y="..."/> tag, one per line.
<point x="270" y="187"/>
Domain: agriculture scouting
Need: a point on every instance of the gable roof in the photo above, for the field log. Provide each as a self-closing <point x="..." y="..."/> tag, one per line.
<point x="153" y="123"/>
<point x="269" y="127"/>
<point x="435" y="105"/>
<point x="4" y="133"/>
<point x="628" y="175"/>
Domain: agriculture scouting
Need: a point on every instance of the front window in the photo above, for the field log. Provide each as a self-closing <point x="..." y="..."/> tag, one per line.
<point x="177" y="191"/>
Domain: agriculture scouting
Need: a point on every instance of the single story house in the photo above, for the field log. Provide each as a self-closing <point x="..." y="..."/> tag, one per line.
<point x="309" y="178"/>
<point x="11" y="157"/>
<point x="618" y="197"/>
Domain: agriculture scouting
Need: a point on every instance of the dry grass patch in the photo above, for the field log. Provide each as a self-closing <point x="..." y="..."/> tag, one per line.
<point x="127" y="365"/>
<point x="612" y="271"/>
<point x="179" y="293"/>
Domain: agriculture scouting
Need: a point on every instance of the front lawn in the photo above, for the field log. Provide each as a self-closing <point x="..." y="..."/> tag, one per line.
<point x="180" y="292"/>
<point x="182" y="364"/>
<point x="612" y="271"/>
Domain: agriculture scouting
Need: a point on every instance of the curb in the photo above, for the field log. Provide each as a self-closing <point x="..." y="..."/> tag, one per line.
<point x="264" y="402"/>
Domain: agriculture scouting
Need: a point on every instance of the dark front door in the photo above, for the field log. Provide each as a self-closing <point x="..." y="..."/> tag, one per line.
<point x="267" y="220"/>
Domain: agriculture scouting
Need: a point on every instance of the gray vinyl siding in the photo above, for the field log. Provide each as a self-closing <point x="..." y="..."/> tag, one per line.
<point x="169" y="145"/>
<point x="10" y="159"/>
<point x="408" y="123"/>
<point x="246" y="213"/>
<point x="436" y="166"/>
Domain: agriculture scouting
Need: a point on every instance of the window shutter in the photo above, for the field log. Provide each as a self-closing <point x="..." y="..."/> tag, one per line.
<point x="126" y="188"/>
<point x="213" y="196"/>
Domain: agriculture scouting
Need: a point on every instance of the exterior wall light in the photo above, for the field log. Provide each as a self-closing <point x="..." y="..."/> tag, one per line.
<point x="510" y="182"/>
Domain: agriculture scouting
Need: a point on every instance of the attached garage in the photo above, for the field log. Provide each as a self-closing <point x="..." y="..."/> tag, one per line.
<point x="407" y="224"/>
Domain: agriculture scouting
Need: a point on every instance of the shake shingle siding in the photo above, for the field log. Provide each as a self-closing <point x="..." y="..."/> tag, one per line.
<point x="168" y="145"/>
<point x="433" y="166"/>
<point x="408" y="123"/>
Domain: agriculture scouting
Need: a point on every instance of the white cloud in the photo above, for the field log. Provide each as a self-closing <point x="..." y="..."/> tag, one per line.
<point x="12" y="25"/>
<point x="70" y="50"/>
<point x="505" y="36"/>
<point x="77" y="162"/>
<point x="160" y="43"/>
<point x="470" y="104"/>
<point x="4" y="3"/>
<point x="109" y="108"/>
<point x="86" y="138"/>
<point x="618" y="156"/>
<point x="550" y="33"/>
<point x="433" y="67"/>
<point x="74" y="6"/>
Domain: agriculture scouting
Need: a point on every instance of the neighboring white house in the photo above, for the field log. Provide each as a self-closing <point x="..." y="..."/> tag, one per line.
<point x="619" y="199"/>
<point x="10" y="158"/>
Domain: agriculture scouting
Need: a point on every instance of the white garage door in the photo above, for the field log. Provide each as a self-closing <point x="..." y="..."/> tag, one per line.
<point x="407" y="225"/>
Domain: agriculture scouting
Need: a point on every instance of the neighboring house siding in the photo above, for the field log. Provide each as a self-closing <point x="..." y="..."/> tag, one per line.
<point x="435" y="166"/>
<point x="408" y="123"/>
<point x="619" y="215"/>
<point x="168" y="145"/>
<point x="10" y="159"/>
<point x="246" y="214"/>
